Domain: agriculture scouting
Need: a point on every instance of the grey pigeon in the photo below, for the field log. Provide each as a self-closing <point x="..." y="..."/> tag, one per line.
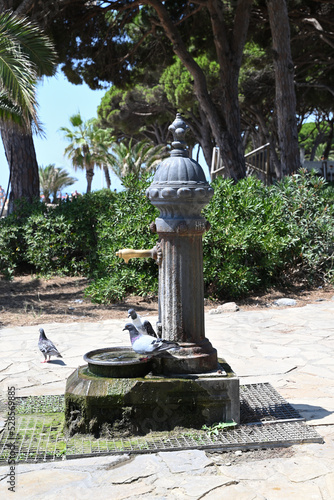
<point x="145" y="344"/>
<point x="143" y="326"/>
<point x="47" y="347"/>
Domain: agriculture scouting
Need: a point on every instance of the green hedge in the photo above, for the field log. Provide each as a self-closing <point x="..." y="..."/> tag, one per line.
<point x="259" y="237"/>
<point x="264" y="236"/>
<point x="52" y="240"/>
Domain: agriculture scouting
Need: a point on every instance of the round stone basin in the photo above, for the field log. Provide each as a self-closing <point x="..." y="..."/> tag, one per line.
<point x="117" y="362"/>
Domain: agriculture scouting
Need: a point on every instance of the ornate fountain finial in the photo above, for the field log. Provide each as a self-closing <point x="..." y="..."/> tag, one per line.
<point x="179" y="129"/>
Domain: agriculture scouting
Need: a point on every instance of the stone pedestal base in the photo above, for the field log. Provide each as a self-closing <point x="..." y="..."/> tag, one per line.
<point x="154" y="403"/>
<point x="190" y="359"/>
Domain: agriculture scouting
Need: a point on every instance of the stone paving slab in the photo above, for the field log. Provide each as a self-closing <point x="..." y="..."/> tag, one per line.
<point x="292" y="349"/>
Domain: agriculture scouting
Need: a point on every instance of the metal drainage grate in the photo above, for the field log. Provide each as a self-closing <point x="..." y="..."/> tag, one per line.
<point x="37" y="438"/>
<point x="267" y="420"/>
<point x="40" y="404"/>
<point x="245" y="437"/>
<point x="262" y="403"/>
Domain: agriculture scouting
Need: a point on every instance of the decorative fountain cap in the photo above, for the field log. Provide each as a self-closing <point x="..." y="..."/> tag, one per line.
<point x="179" y="129"/>
<point x="179" y="179"/>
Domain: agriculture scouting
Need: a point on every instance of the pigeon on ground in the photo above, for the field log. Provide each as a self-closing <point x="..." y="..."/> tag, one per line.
<point x="143" y="326"/>
<point x="145" y="344"/>
<point x="46" y="347"/>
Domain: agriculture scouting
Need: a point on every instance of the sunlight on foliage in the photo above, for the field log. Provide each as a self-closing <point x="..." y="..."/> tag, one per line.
<point x="260" y="237"/>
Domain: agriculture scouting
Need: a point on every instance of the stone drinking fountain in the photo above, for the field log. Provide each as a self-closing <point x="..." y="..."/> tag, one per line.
<point x="190" y="387"/>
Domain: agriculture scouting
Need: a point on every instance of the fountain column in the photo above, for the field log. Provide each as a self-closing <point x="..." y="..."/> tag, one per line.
<point x="180" y="191"/>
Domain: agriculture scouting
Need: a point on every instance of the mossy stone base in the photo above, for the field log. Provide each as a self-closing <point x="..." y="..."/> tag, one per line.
<point x="124" y="406"/>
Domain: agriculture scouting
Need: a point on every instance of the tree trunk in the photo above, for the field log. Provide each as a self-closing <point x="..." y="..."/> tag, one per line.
<point x="89" y="178"/>
<point x="107" y="176"/>
<point x="317" y="141"/>
<point x="229" y="49"/>
<point x="224" y="122"/>
<point x="275" y="165"/>
<point x="284" y="85"/>
<point x="202" y="133"/>
<point x="21" y="157"/>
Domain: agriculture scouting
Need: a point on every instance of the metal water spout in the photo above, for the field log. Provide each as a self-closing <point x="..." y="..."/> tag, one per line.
<point x="180" y="191"/>
<point x="129" y="253"/>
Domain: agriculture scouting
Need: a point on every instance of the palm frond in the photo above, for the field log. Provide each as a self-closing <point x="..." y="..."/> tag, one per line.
<point x="25" y="53"/>
<point x="36" y="46"/>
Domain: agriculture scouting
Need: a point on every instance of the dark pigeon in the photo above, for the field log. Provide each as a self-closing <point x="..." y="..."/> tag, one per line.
<point x="149" y="329"/>
<point x="143" y="326"/>
<point x="46" y="347"/>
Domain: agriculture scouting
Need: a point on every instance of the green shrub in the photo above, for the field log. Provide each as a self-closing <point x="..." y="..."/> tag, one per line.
<point x="126" y="225"/>
<point x="263" y="236"/>
<point x="13" y="244"/>
<point x="259" y="237"/>
<point x="53" y="240"/>
<point x="243" y="248"/>
<point x="307" y="212"/>
<point x="65" y="240"/>
<point x="12" y="247"/>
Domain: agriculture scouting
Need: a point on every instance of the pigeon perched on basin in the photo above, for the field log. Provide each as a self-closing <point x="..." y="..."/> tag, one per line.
<point x="149" y="329"/>
<point x="146" y="344"/>
<point x="47" y="347"/>
<point x="143" y="326"/>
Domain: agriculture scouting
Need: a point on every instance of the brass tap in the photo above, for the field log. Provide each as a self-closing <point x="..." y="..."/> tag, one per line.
<point x="130" y="253"/>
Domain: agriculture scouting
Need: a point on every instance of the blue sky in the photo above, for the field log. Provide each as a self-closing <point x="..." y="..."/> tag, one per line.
<point x="58" y="100"/>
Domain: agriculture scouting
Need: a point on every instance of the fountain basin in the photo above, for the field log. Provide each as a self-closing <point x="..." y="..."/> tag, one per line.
<point x="117" y="362"/>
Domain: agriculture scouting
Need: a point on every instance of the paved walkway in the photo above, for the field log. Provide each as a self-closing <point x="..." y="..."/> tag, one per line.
<point x="290" y="348"/>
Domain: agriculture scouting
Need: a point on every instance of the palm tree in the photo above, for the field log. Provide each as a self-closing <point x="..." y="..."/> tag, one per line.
<point x="88" y="146"/>
<point x="136" y="159"/>
<point x="53" y="179"/>
<point x="25" y="54"/>
<point x="319" y="154"/>
<point x="102" y="139"/>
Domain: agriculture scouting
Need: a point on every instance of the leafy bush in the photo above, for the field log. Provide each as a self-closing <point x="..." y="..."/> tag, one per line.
<point x="125" y="226"/>
<point x="65" y="239"/>
<point x="259" y="237"/>
<point x="13" y="245"/>
<point x="243" y="249"/>
<point x="263" y="236"/>
<point x="307" y="212"/>
<point x="52" y="240"/>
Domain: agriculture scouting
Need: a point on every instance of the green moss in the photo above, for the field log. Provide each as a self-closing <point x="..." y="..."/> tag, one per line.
<point x="119" y="406"/>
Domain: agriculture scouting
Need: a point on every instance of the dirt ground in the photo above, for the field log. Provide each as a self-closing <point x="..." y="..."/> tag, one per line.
<point x="31" y="300"/>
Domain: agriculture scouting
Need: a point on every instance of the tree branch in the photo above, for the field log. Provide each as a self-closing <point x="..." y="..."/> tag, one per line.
<point x="316" y="86"/>
<point x="188" y="61"/>
<point x="240" y="30"/>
